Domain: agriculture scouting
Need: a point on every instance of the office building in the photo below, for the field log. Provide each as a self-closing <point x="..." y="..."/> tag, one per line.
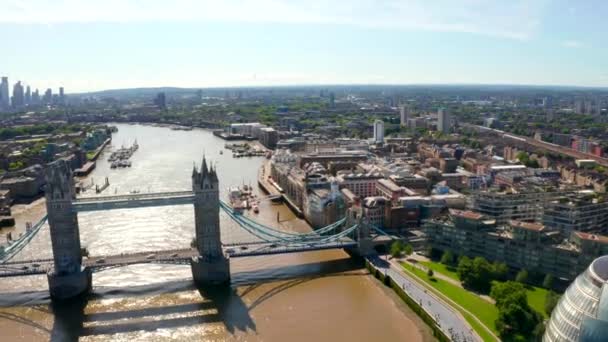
<point x="582" y="312"/>
<point x="28" y="96"/>
<point x="403" y="111"/>
<point x="5" y="101"/>
<point x="378" y="131"/>
<point x="48" y="96"/>
<point x="160" y="100"/>
<point x="18" y="95"/>
<point x="443" y="120"/>
<point x="36" y="97"/>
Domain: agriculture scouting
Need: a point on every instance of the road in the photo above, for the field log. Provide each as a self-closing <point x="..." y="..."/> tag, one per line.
<point x="448" y="319"/>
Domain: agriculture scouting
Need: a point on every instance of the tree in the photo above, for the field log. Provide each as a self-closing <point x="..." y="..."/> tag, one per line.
<point x="464" y="267"/>
<point x="500" y="271"/>
<point x="548" y="282"/>
<point x="447" y="258"/>
<point x="476" y="274"/>
<point x="551" y="300"/>
<point x="508" y="291"/>
<point x="408" y="249"/>
<point x="522" y="276"/>
<point x="430" y="273"/>
<point x="396" y="248"/>
<point x="516" y="320"/>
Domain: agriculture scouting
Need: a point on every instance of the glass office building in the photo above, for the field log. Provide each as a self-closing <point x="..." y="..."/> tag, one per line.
<point x="582" y="312"/>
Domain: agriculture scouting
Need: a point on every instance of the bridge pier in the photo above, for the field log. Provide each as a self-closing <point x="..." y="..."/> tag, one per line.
<point x="210" y="267"/>
<point x="66" y="286"/>
<point x="210" y="272"/>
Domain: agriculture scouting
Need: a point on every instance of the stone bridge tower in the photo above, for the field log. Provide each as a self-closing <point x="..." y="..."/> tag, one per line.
<point x="211" y="267"/>
<point x="68" y="278"/>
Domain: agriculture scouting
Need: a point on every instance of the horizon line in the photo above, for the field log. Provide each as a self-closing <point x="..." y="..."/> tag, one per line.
<point x="321" y="85"/>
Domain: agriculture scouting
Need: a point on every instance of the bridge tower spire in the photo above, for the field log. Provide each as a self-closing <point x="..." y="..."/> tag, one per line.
<point x="68" y="278"/>
<point x="210" y="267"/>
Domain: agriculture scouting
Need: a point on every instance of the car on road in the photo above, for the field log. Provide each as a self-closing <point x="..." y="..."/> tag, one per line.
<point x="174" y="255"/>
<point x="230" y="251"/>
<point x="244" y="248"/>
<point x="35" y="265"/>
<point x="274" y="245"/>
<point x="151" y="256"/>
<point x="24" y="268"/>
<point x="100" y="261"/>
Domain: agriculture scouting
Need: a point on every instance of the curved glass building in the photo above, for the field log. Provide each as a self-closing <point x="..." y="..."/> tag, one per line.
<point x="582" y="312"/>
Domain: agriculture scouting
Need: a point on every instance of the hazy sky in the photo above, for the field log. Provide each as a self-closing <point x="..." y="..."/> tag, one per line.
<point x="101" y="44"/>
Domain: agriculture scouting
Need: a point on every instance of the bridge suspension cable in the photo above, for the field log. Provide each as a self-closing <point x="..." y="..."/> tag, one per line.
<point x="9" y="252"/>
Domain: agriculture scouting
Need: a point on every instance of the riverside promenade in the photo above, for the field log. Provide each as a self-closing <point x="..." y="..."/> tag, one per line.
<point x="449" y="320"/>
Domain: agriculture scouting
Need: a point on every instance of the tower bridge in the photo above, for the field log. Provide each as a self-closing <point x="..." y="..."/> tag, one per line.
<point x="69" y="274"/>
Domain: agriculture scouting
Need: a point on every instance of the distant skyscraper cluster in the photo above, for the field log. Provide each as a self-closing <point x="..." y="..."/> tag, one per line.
<point x="23" y="97"/>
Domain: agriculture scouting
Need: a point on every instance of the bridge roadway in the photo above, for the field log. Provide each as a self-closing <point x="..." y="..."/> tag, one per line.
<point x="133" y="201"/>
<point x="174" y="256"/>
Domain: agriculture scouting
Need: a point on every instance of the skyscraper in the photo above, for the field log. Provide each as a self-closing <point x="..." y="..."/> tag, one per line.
<point x="443" y="120"/>
<point x="378" y="131"/>
<point x="18" y="95"/>
<point x="5" y="101"/>
<point x="36" y="98"/>
<point x="161" y="100"/>
<point x="403" y="115"/>
<point x="48" y="96"/>
<point x="28" y="96"/>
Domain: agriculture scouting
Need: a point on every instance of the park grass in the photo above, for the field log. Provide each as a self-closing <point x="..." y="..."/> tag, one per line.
<point x="486" y="312"/>
<point x="447" y="271"/>
<point x="536" y="295"/>
<point x="536" y="299"/>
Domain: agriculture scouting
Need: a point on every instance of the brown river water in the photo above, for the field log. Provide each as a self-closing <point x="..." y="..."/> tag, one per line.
<point x="312" y="296"/>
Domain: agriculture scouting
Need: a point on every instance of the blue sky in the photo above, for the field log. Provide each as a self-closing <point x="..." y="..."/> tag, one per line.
<point x="95" y="44"/>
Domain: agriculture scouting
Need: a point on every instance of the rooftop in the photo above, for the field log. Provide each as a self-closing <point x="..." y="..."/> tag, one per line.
<point x="592" y="237"/>
<point x="536" y="227"/>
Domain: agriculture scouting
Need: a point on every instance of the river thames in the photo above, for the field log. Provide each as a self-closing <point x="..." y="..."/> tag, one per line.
<point x="313" y="296"/>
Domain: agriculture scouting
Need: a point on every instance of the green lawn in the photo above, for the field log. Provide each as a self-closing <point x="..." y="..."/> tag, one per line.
<point x="483" y="310"/>
<point x="90" y="155"/>
<point x="441" y="268"/>
<point x="536" y="299"/>
<point x="536" y="295"/>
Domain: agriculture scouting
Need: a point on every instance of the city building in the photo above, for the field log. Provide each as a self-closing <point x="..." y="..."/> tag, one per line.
<point x="444" y="123"/>
<point x="403" y="115"/>
<point x="583" y="211"/>
<point x="268" y="137"/>
<point x="160" y="100"/>
<point x="379" y="131"/>
<point x="523" y="203"/>
<point x="520" y="245"/>
<point x="48" y="96"/>
<point x="360" y="184"/>
<point x="5" y="101"/>
<point x="582" y="312"/>
<point x="389" y="190"/>
<point x="18" y="95"/>
<point x="28" y="96"/>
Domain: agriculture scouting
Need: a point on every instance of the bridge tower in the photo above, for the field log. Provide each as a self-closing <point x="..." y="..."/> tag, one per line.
<point x="68" y="278"/>
<point x="210" y="267"/>
<point x="354" y="215"/>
